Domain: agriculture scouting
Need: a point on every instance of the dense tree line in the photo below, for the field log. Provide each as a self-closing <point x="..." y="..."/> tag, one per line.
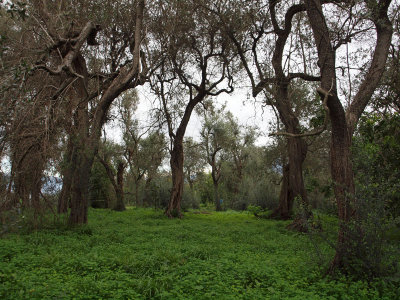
<point x="70" y="67"/>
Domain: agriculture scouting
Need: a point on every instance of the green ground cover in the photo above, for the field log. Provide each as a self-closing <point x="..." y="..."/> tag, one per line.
<point x="139" y="254"/>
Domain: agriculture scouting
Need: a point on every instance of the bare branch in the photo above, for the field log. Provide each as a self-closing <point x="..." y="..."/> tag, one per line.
<point x="304" y="76"/>
<point x="262" y="84"/>
<point x="66" y="64"/>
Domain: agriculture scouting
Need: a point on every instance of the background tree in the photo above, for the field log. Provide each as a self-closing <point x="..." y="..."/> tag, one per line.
<point x="196" y="64"/>
<point x="241" y="145"/>
<point x="216" y="135"/>
<point x="101" y="191"/>
<point x="29" y="117"/>
<point x="145" y="145"/>
<point x="154" y="151"/>
<point x="194" y="162"/>
<point x="111" y="157"/>
<point x="253" y="39"/>
<point x="376" y="158"/>
<point x="81" y="84"/>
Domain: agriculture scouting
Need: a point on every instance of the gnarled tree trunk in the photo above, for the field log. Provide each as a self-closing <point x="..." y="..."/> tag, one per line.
<point x="80" y="187"/>
<point x="292" y="183"/>
<point x="343" y="178"/>
<point x="177" y="158"/>
<point x="344" y="123"/>
<point x="176" y="161"/>
<point x="292" y="187"/>
<point x="216" y="197"/>
<point x="81" y="156"/>
<point x="86" y="142"/>
<point x="67" y="170"/>
<point x="120" y="205"/>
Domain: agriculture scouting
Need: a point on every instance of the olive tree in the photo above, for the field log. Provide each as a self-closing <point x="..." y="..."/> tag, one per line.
<point x="196" y="64"/>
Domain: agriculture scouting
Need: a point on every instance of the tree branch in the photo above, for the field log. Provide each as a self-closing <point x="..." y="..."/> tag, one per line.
<point x="304" y="76"/>
<point x="326" y="94"/>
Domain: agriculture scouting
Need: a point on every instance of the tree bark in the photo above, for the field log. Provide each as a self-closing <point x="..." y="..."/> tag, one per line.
<point x="284" y="209"/>
<point x="137" y="192"/>
<point x="341" y="169"/>
<point x="297" y="151"/>
<point x="87" y="145"/>
<point x="293" y="182"/>
<point x="177" y="158"/>
<point x="216" y="196"/>
<point x="117" y="183"/>
<point x="344" y="190"/>
<point x="82" y="155"/>
<point x="343" y="124"/>
<point x="147" y="191"/>
<point x="120" y="205"/>
<point x="176" y="161"/>
<point x="80" y="187"/>
<point x="215" y="174"/>
<point x="67" y="171"/>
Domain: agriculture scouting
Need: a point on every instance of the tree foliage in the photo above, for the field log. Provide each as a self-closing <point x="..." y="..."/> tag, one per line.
<point x="328" y="70"/>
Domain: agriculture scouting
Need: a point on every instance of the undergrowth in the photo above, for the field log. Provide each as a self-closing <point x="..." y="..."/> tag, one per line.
<point x="140" y="254"/>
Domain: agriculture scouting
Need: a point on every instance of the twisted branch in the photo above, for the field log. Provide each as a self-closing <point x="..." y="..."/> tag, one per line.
<point x="318" y="131"/>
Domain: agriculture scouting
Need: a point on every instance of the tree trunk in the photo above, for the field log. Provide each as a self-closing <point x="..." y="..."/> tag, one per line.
<point x="341" y="169"/>
<point x="35" y="189"/>
<point x="137" y="192"/>
<point x="284" y="209"/>
<point x="216" y="196"/>
<point x="68" y="170"/>
<point x="147" y="192"/>
<point x="344" y="123"/>
<point x="176" y="161"/>
<point x="120" y="205"/>
<point x="86" y="133"/>
<point x="20" y="192"/>
<point x="191" y="186"/>
<point x="292" y="183"/>
<point x="63" y="199"/>
<point x="80" y="191"/>
<point x="342" y="176"/>
<point x="297" y="149"/>
<point x="79" y="206"/>
<point x="82" y="159"/>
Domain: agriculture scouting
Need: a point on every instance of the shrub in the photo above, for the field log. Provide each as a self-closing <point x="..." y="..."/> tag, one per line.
<point x="372" y="253"/>
<point x="258" y="211"/>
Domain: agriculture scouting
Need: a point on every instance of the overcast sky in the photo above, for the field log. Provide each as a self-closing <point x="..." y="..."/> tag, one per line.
<point x="248" y="112"/>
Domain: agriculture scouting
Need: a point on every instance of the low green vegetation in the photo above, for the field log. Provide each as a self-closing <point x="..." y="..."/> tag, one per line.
<point x="140" y="254"/>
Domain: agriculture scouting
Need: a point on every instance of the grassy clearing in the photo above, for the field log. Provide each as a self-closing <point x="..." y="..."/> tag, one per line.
<point x="140" y="254"/>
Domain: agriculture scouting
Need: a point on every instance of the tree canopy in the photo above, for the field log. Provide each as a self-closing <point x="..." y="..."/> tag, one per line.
<point x="328" y="71"/>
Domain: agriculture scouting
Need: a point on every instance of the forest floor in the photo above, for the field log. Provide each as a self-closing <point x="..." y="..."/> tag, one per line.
<point x="140" y="254"/>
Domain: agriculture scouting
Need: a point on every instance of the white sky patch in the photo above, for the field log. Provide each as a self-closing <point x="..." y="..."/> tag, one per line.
<point x="246" y="110"/>
<point x="5" y="165"/>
